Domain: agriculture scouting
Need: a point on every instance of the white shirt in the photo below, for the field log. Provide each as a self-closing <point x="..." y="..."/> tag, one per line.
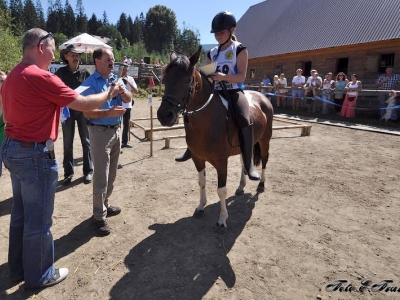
<point x="128" y="87"/>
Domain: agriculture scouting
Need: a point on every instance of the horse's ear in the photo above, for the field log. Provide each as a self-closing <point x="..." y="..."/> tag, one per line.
<point x="195" y="57"/>
<point x="172" y="56"/>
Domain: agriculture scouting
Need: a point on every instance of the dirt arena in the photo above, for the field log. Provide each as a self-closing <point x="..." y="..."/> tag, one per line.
<point x="330" y="212"/>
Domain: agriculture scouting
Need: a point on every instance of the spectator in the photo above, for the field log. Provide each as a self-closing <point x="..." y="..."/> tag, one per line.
<point x="2" y="124"/>
<point x="105" y="141"/>
<point x="73" y="76"/>
<point x="131" y="86"/>
<point x="390" y="102"/>
<point x="297" y="89"/>
<point x="282" y="91"/>
<point x="352" y="88"/>
<point x="339" y="90"/>
<point x="327" y="86"/>
<point x="313" y="86"/>
<point x="32" y="115"/>
<point x="266" y="80"/>
<point x="387" y="81"/>
<point x="129" y="60"/>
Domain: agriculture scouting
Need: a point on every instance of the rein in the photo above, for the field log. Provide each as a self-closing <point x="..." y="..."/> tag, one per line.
<point x="180" y="104"/>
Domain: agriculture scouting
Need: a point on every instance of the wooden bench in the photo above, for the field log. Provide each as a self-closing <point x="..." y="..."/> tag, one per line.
<point x="168" y="139"/>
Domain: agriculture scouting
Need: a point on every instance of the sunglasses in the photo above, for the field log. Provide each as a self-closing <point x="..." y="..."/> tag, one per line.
<point x="45" y="37"/>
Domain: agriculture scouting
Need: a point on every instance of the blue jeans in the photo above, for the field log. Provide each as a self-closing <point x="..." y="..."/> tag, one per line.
<point x="33" y="177"/>
<point x="68" y="129"/>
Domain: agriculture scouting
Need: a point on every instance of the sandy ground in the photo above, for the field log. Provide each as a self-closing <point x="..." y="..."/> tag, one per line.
<point x="330" y="212"/>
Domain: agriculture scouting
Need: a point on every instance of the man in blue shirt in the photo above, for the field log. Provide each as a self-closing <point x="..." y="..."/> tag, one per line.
<point x="105" y="137"/>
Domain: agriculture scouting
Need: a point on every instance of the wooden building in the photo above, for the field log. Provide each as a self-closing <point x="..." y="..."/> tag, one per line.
<point x="358" y="36"/>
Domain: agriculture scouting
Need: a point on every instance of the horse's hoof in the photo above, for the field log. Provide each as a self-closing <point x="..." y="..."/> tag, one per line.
<point x="220" y="228"/>
<point x="239" y="192"/>
<point x="260" y="187"/>
<point x="198" y="213"/>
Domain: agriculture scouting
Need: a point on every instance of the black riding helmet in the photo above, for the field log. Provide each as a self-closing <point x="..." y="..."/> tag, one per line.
<point x="222" y="21"/>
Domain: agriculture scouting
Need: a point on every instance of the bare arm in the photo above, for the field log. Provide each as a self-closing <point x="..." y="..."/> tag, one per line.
<point x="116" y="111"/>
<point x="90" y="102"/>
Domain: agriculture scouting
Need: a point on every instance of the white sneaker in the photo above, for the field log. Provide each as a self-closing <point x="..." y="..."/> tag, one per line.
<point x="59" y="275"/>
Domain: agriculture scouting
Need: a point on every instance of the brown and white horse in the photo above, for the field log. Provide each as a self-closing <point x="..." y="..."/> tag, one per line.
<point x="210" y="134"/>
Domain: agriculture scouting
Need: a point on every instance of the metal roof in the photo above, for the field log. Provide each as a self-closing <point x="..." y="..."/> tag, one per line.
<point x="275" y="27"/>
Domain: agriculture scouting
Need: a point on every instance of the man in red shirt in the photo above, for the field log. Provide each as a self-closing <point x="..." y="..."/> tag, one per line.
<point x="32" y="98"/>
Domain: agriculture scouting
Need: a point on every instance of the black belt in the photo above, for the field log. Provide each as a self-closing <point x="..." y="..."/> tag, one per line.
<point x="25" y="144"/>
<point x="107" y="126"/>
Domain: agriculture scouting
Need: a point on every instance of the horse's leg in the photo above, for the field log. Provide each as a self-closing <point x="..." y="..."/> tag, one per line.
<point x="222" y="171"/>
<point x="264" y="160"/>
<point x="242" y="184"/>
<point x="203" y="197"/>
<point x="201" y="169"/>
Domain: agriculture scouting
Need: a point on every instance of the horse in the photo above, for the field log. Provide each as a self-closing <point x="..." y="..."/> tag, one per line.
<point x="211" y="135"/>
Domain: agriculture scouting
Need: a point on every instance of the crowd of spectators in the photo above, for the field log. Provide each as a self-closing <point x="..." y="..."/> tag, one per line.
<point x="330" y="93"/>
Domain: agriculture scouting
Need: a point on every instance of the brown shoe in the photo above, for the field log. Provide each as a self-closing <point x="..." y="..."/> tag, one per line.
<point x="113" y="211"/>
<point x="102" y="227"/>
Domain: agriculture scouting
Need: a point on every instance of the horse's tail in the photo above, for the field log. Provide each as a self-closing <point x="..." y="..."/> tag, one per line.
<point x="257" y="154"/>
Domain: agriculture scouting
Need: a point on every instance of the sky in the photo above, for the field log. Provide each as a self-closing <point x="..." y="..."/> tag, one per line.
<point x="196" y="14"/>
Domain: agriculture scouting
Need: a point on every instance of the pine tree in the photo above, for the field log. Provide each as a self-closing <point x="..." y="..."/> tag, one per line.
<point x="17" y="13"/>
<point x="93" y="25"/>
<point x="30" y="17"/>
<point x="54" y="16"/>
<point x="3" y="5"/>
<point x="41" y="22"/>
<point x="69" y="28"/>
<point x="131" y="28"/>
<point x="81" y="19"/>
<point x="123" y="26"/>
<point x="105" y="19"/>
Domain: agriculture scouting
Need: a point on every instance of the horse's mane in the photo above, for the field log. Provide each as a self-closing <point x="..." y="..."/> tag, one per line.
<point x="180" y="61"/>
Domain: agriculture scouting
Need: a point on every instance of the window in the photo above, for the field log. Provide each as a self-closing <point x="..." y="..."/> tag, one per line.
<point x="306" y="68"/>
<point x="386" y="60"/>
<point x="342" y="65"/>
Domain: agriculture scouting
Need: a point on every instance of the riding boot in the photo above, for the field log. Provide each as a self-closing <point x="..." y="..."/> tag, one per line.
<point x="246" y="146"/>
<point x="186" y="156"/>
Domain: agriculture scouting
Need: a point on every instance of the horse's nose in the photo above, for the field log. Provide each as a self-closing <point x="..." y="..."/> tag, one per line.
<point x="166" y="117"/>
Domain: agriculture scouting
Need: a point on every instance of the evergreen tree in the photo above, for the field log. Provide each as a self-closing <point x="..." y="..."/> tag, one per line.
<point x="130" y="24"/>
<point x="187" y="41"/>
<point x="105" y="19"/>
<point x="93" y="25"/>
<point x="30" y="18"/>
<point x="136" y="31"/>
<point x="81" y="19"/>
<point x="123" y="26"/>
<point x="69" y="28"/>
<point x="160" y="29"/>
<point x="17" y="13"/>
<point x="3" y="6"/>
<point x="10" y="45"/>
<point x="40" y="22"/>
<point x="54" y="16"/>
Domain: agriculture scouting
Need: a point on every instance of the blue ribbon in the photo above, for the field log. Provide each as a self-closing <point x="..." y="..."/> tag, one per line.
<point x="333" y="103"/>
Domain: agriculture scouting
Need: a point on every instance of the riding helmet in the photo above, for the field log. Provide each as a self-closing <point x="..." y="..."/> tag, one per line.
<point x="222" y="21"/>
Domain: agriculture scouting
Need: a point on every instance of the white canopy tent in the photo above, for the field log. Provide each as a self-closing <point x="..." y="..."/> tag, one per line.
<point x="85" y="42"/>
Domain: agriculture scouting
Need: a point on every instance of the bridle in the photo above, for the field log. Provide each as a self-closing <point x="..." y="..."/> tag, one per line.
<point x="180" y="104"/>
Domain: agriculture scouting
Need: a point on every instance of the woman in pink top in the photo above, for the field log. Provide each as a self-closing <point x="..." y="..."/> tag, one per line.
<point x="349" y="103"/>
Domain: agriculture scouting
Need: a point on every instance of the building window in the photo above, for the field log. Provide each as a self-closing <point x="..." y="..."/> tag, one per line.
<point x="306" y="66"/>
<point x="252" y="73"/>
<point x="342" y="65"/>
<point x="386" y="60"/>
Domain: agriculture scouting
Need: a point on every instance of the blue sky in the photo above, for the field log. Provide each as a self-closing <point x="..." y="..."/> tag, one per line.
<point x="197" y="14"/>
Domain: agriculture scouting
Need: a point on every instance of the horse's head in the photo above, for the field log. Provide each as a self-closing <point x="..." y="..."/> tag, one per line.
<point x="179" y="82"/>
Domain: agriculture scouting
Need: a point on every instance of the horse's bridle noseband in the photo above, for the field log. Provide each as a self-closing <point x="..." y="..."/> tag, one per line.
<point x="180" y="104"/>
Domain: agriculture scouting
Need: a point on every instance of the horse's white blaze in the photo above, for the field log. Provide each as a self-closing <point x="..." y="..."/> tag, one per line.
<point x="202" y="186"/>
<point x="222" y="192"/>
